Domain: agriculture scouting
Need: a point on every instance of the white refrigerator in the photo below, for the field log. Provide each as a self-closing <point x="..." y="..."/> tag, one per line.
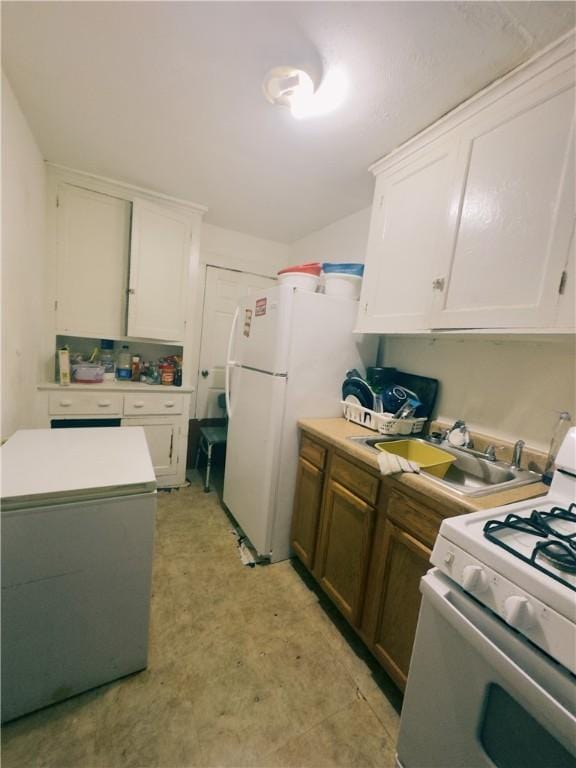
<point x="288" y="354"/>
<point x="78" y="509"/>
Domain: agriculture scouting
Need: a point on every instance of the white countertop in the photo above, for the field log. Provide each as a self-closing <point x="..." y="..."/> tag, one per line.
<point x="116" y="386"/>
<point x="42" y="466"/>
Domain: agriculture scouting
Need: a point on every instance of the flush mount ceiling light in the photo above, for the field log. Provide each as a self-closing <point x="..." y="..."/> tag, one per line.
<point x="294" y="88"/>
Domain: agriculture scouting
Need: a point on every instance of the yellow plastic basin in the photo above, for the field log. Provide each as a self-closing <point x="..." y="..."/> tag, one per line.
<point x="430" y="459"/>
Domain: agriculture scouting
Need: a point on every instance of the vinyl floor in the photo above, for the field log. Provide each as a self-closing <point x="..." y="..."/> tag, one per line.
<point x="248" y="667"/>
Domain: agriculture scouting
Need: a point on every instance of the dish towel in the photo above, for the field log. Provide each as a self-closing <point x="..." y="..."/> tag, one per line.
<point x="390" y="464"/>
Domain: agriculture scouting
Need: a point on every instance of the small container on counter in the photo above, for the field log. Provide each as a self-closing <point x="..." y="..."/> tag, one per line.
<point x="135" y="367"/>
<point x="124" y="364"/>
<point x="166" y="373"/>
<point x="106" y="357"/>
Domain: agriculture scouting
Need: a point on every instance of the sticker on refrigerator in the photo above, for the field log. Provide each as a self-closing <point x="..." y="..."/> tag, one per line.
<point x="260" y="307"/>
<point x="247" y="322"/>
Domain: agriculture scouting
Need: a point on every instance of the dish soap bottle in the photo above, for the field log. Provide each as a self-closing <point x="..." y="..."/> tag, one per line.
<point x="558" y="436"/>
<point x="124" y="364"/>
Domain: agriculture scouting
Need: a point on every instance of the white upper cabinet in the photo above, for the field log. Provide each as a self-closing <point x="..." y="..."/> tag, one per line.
<point x="408" y="237"/>
<point x="124" y="264"/>
<point x="93" y="234"/>
<point x="159" y="258"/>
<point x="472" y="220"/>
<point x="516" y="214"/>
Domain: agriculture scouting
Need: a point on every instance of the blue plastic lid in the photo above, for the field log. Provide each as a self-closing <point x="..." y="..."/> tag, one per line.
<point x="343" y="269"/>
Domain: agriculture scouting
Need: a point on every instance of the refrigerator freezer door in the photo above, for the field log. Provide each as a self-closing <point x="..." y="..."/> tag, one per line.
<point x="260" y="333"/>
<point x="250" y="481"/>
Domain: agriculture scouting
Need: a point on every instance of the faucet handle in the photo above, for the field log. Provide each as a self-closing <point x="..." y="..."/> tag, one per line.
<point x="490" y="452"/>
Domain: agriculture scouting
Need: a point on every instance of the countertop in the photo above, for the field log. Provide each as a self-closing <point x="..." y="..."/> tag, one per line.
<point x="336" y="431"/>
<point x="114" y="386"/>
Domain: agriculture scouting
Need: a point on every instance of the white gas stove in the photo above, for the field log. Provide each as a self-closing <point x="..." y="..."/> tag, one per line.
<point x="492" y="675"/>
<point x="520" y="560"/>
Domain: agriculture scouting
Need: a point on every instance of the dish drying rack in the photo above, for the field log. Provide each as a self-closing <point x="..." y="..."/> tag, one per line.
<point x="384" y="423"/>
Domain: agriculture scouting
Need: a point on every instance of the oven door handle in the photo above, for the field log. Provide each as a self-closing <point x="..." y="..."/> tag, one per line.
<point x="541" y="704"/>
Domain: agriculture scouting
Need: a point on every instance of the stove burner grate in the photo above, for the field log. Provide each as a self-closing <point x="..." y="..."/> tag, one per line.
<point x="558" y="549"/>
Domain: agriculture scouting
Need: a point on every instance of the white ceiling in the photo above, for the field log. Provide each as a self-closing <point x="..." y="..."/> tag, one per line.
<point x="167" y="95"/>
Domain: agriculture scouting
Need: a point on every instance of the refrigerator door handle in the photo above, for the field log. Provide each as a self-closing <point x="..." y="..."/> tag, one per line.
<point x="229" y="362"/>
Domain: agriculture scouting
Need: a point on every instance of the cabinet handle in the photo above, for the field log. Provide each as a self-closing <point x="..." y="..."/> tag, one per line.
<point x="104" y="403"/>
<point x="169" y="404"/>
<point x="139" y="404"/>
<point x="438" y="284"/>
<point x="65" y="403"/>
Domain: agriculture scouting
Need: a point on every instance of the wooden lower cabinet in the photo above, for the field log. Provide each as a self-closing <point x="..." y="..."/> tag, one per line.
<point x="306" y="515"/>
<point x="368" y="543"/>
<point x="406" y="560"/>
<point x="344" y="549"/>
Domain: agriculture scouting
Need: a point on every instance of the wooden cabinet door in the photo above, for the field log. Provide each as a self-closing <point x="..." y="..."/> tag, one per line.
<point x="410" y="233"/>
<point x="344" y="549"/>
<point x="93" y="240"/>
<point x="406" y="560"/>
<point x="306" y="516"/>
<point x="159" y="264"/>
<point x="516" y="212"/>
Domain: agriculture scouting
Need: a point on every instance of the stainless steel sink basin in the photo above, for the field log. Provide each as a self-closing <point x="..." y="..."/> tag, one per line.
<point x="469" y="475"/>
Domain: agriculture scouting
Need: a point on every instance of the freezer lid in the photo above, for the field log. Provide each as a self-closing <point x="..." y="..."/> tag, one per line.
<point x="261" y="330"/>
<point x="57" y="466"/>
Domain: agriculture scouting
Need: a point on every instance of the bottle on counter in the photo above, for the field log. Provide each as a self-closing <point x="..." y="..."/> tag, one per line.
<point x="135" y="367"/>
<point x="124" y="364"/>
<point x="106" y="356"/>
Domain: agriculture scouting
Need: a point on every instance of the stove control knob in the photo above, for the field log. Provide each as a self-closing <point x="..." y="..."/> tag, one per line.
<point x="519" y="613"/>
<point x="474" y="578"/>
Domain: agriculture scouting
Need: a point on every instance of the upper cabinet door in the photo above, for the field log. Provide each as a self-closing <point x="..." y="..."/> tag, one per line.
<point x="410" y="233"/>
<point x="93" y="240"/>
<point x="159" y="263"/>
<point x="516" y="212"/>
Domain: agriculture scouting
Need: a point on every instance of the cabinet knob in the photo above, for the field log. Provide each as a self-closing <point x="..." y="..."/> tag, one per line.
<point x="438" y="284"/>
<point x="65" y="403"/>
<point x="139" y="404"/>
<point x="205" y="373"/>
<point x="169" y="404"/>
<point x="103" y="403"/>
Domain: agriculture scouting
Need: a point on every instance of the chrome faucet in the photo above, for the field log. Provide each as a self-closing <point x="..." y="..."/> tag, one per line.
<point x="517" y="454"/>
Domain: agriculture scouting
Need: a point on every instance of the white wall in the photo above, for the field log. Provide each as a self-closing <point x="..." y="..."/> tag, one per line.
<point x="507" y="387"/>
<point x="23" y="266"/>
<point x="234" y="250"/>
<point x="344" y="240"/>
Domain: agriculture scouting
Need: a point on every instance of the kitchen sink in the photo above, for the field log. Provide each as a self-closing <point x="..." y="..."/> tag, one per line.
<point x="469" y="475"/>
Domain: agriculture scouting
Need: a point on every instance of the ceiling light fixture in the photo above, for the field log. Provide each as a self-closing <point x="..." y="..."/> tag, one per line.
<point x="294" y="88"/>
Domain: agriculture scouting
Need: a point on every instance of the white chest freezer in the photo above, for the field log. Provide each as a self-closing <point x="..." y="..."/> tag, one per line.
<point x="78" y="509"/>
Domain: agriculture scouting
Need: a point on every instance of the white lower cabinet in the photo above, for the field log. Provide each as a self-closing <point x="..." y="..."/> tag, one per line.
<point x="162" y="436"/>
<point x="163" y="413"/>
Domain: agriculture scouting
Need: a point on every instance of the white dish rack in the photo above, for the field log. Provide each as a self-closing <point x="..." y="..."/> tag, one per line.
<point x="385" y="423"/>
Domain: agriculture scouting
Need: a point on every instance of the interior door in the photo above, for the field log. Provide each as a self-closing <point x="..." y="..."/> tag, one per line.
<point x="224" y="288"/>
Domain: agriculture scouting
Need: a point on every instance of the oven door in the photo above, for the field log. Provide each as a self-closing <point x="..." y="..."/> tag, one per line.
<point x="479" y="695"/>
